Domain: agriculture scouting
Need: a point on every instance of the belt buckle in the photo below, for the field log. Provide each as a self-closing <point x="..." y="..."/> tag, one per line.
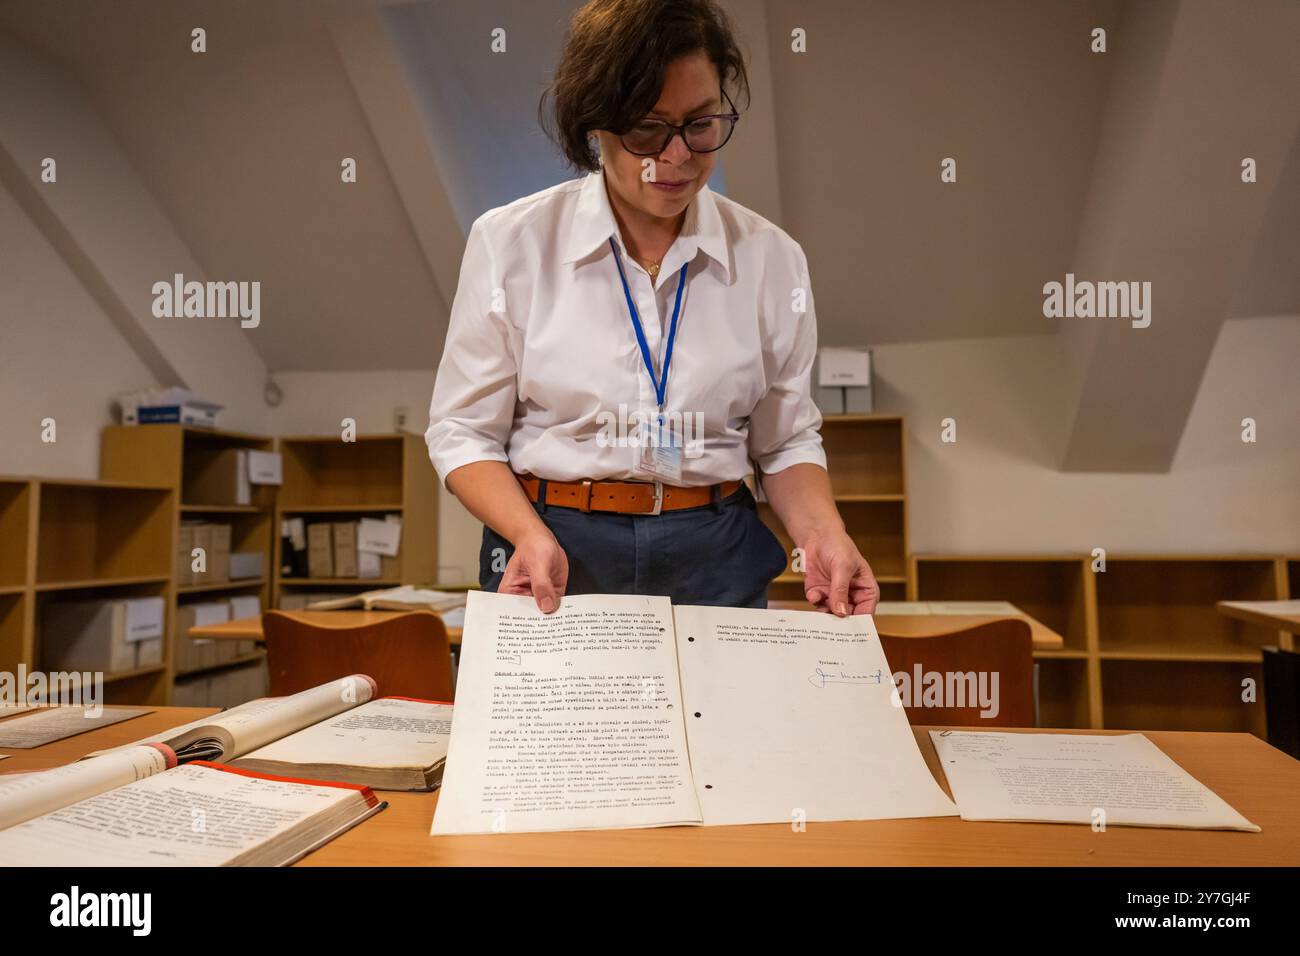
<point x="659" y="498"/>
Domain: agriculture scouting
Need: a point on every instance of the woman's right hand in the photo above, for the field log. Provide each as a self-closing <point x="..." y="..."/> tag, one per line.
<point x="538" y="567"/>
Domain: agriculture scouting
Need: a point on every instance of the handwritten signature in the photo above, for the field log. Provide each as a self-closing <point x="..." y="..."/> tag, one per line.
<point x="821" y="678"/>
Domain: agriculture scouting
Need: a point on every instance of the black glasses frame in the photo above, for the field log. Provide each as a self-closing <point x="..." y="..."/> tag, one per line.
<point x="671" y="130"/>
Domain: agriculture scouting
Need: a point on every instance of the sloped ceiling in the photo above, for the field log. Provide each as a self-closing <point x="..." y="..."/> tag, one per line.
<point x="241" y="146"/>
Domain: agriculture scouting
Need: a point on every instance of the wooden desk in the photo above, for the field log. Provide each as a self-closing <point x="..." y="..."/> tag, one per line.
<point x="913" y="624"/>
<point x="1283" y="615"/>
<point x="250" y="628"/>
<point x="1254" y="778"/>
<point x="900" y="625"/>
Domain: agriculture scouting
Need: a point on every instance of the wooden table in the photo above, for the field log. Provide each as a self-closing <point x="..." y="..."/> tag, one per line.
<point x="1283" y="615"/>
<point x="250" y="628"/>
<point x="1257" y="780"/>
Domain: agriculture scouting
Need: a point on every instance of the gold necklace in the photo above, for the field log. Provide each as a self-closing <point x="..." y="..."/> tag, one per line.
<point x="652" y="268"/>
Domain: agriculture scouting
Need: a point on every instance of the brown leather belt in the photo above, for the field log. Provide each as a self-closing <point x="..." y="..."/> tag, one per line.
<point x="626" y="497"/>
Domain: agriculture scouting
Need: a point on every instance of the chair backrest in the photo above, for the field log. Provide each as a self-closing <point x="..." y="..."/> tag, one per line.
<point x="942" y="679"/>
<point x="407" y="654"/>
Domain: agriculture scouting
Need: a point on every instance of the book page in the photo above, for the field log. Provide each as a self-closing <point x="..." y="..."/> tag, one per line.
<point x="28" y="795"/>
<point x="1120" y="780"/>
<point x="195" y="815"/>
<point x="889" y="608"/>
<point x="173" y="735"/>
<point x="256" y="723"/>
<point x="565" y="721"/>
<point x="976" y="608"/>
<point x="254" y="727"/>
<point x="790" y="717"/>
<point x="405" y="597"/>
<point x="58" y="723"/>
<point x="388" y="732"/>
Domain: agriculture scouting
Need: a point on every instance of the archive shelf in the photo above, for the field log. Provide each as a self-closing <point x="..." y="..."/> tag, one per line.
<point x="328" y="479"/>
<point x="1056" y="589"/>
<point x="866" y="459"/>
<point x="177" y="456"/>
<point x="1145" y="647"/>
<point x="71" y="539"/>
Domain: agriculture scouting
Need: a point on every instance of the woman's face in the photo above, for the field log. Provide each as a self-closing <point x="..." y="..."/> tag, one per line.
<point x="691" y="88"/>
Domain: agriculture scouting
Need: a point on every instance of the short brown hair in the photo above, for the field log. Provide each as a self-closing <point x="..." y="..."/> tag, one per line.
<point x="611" y="70"/>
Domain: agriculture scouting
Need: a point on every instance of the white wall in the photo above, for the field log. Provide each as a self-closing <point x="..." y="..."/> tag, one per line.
<point x="106" y="225"/>
<point x="60" y="357"/>
<point x="997" y="488"/>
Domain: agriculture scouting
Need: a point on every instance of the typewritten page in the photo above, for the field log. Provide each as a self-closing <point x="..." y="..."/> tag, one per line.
<point x="566" y="721"/>
<point x="387" y="732"/>
<point x="790" y="716"/>
<point x="28" y="795"/>
<point x="187" y="816"/>
<point x="1119" y="780"/>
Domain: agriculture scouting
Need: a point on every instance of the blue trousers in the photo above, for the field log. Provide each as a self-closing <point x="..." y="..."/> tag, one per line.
<point x="719" y="554"/>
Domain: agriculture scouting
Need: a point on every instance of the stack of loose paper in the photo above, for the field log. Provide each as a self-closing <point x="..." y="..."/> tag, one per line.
<point x="1112" y="780"/>
<point x="56" y="723"/>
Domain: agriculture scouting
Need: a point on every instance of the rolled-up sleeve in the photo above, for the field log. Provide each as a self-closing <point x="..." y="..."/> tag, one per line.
<point x="783" y="428"/>
<point x="474" y="394"/>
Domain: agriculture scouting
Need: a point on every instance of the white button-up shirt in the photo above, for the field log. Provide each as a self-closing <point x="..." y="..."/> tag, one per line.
<point x="541" y="361"/>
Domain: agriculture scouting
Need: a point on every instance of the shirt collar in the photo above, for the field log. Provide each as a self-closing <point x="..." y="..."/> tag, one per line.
<point x="593" y="223"/>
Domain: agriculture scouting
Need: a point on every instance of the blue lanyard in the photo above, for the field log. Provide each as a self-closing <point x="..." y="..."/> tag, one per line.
<point x="661" y="386"/>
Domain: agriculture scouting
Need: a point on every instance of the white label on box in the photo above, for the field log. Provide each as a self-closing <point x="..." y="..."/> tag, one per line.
<point x="265" y="468"/>
<point x="380" y="537"/>
<point x="843" y="367"/>
<point x="243" y="606"/>
<point x="368" y="564"/>
<point x="246" y="564"/>
<point x="211" y="613"/>
<point x="144" y="618"/>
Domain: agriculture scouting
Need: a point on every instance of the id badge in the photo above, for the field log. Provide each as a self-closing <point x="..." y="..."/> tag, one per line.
<point x="660" y="453"/>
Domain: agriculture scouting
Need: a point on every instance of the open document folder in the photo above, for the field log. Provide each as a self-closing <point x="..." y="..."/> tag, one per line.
<point x="625" y="711"/>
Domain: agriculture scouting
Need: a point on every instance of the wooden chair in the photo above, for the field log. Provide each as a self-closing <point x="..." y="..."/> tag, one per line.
<point x="1003" y="647"/>
<point x="407" y="654"/>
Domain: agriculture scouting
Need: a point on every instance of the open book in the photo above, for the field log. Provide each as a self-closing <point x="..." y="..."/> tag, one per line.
<point x="625" y="711"/>
<point x="137" y="807"/>
<point x="391" y="743"/>
<point x="404" y="598"/>
<point x="333" y="732"/>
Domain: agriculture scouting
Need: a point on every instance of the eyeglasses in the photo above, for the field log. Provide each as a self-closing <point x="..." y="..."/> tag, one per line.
<point x="704" y="134"/>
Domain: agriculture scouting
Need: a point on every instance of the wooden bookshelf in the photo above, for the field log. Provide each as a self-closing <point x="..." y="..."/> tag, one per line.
<point x="1053" y="588"/>
<point x="866" y="458"/>
<point x="1145" y="647"/>
<point x="177" y="456"/>
<point x="328" y="479"/>
<point x="17" y="571"/>
<point x="70" y="539"/>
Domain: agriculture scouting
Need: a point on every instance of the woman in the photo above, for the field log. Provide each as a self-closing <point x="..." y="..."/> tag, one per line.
<point x="622" y="346"/>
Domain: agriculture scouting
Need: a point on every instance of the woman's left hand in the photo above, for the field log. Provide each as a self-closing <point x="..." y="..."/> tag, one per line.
<point x="837" y="577"/>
